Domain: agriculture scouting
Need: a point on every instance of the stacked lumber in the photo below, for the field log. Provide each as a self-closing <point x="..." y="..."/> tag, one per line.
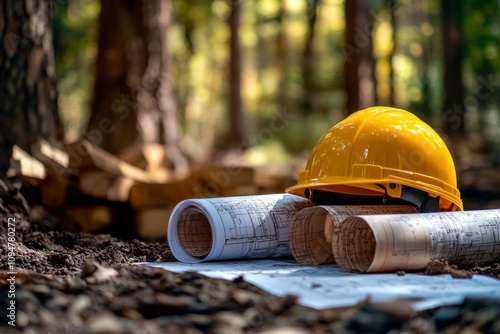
<point x="86" y="185"/>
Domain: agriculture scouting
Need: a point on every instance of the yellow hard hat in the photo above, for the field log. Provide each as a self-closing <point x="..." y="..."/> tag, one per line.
<point x="381" y="151"/>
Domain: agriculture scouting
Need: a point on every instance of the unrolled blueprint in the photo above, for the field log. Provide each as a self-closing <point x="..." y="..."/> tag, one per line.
<point x="327" y="286"/>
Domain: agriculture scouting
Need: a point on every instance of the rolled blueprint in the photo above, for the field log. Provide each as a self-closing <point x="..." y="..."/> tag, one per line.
<point x="232" y="227"/>
<point x="384" y="243"/>
<point x="312" y="230"/>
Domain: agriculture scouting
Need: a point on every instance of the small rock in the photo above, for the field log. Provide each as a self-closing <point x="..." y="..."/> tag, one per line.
<point x="173" y="301"/>
<point x="460" y="273"/>
<point x="94" y="273"/>
<point x="234" y="320"/>
<point x="285" y="330"/>
<point x="198" y="319"/>
<point x="105" y="323"/>
<point x="436" y="267"/>
<point x="132" y="314"/>
<point x="22" y="319"/>
<point x="244" y="297"/>
<point x="79" y="304"/>
<point x="47" y="318"/>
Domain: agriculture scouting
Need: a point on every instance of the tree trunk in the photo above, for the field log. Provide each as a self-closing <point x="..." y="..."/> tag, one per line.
<point x="391" y="4"/>
<point x="453" y="107"/>
<point x="281" y="64"/>
<point x="28" y="96"/>
<point x="237" y="133"/>
<point x="358" y="53"/>
<point x="421" y="17"/>
<point x="134" y="101"/>
<point x="308" y="55"/>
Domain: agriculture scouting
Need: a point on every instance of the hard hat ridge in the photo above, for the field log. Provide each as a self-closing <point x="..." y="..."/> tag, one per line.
<point x="382" y="151"/>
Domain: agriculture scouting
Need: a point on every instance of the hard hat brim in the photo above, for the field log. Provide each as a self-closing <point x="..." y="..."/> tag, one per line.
<point x="373" y="187"/>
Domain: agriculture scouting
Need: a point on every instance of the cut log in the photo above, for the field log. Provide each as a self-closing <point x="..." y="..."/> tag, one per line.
<point x="50" y="155"/>
<point x="143" y="195"/>
<point x="150" y="157"/>
<point x="24" y="165"/>
<point x="155" y="156"/>
<point x="84" y="155"/>
<point x="240" y="191"/>
<point x="221" y="177"/>
<point x="53" y="190"/>
<point x="104" y="185"/>
<point x="152" y="223"/>
<point x="86" y="218"/>
<point x="272" y="184"/>
<point x="53" y="187"/>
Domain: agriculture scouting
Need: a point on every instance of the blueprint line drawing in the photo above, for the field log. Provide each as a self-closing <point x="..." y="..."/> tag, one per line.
<point x="364" y="239"/>
<point x="384" y="243"/>
<point x="233" y="227"/>
<point x="312" y="230"/>
<point x="328" y="286"/>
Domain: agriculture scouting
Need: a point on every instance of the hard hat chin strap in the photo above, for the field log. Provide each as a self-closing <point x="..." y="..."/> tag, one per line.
<point x="420" y="199"/>
<point x="416" y="197"/>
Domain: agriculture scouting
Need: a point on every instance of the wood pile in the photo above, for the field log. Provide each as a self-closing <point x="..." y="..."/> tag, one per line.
<point x="92" y="190"/>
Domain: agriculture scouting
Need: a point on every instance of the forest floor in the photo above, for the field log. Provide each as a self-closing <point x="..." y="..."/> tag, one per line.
<point x="83" y="283"/>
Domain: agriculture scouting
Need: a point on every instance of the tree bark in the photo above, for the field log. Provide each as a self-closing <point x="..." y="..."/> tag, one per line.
<point x="453" y="107"/>
<point x="391" y="4"/>
<point x="281" y="64"/>
<point x="237" y="133"/>
<point x="421" y="17"/>
<point x="28" y="96"/>
<point x="134" y="101"/>
<point x="358" y="53"/>
<point x="308" y="54"/>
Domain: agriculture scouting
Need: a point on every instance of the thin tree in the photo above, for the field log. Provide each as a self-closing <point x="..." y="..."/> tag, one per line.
<point x="421" y="17"/>
<point x="453" y="106"/>
<point x="391" y="5"/>
<point x="134" y="100"/>
<point x="281" y="63"/>
<point x="28" y="95"/>
<point x="308" y="53"/>
<point x="237" y="134"/>
<point x="358" y="53"/>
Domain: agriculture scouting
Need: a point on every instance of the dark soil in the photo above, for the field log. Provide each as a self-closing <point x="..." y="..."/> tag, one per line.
<point x="82" y="283"/>
<point x="41" y="249"/>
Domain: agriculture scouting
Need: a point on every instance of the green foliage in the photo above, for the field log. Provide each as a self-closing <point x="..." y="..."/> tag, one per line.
<point x="482" y="35"/>
<point x="270" y="157"/>
<point x="482" y="51"/>
<point x="272" y="37"/>
<point x="75" y="49"/>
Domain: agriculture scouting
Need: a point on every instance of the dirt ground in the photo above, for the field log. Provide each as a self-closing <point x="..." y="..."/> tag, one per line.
<point x="82" y="283"/>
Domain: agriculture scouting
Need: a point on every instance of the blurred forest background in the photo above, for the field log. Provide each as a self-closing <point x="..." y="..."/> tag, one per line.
<point x="293" y="58"/>
<point x="262" y="79"/>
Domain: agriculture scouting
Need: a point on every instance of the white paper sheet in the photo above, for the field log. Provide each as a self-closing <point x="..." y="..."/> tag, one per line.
<point x="211" y="229"/>
<point x="384" y="243"/>
<point x="328" y="286"/>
